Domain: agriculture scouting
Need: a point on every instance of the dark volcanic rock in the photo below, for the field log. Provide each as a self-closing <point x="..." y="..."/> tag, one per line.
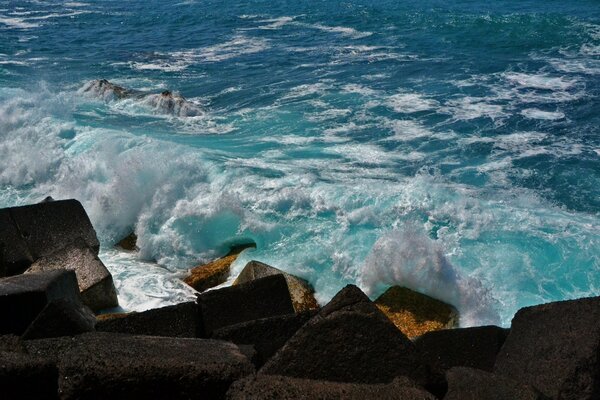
<point x="30" y="232"/>
<point x="466" y="347"/>
<point x="267" y="334"/>
<point x="473" y="384"/>
<point x="286" y="388"/>
<point x="25" y="377"/>
<point x="115" y="366"/>
<point x="180" y="320"/>
<point x="300" y="290"/>
<point x="95" y="282"/>
<point x="555" y="347"/>
<point x="232" y="305"/>
<point x="128" y="243"/>
<point x="23" y="297"/>
<point x="349" y="340"/>
<point x="61" y="318"/>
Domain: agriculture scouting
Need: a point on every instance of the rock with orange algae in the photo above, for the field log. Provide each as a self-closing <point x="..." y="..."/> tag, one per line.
<point x="209" y="275"/>
<point x="415" y="313"/>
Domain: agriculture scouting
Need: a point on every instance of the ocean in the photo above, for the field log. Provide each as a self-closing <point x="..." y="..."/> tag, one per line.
<point x="452" y="147"/>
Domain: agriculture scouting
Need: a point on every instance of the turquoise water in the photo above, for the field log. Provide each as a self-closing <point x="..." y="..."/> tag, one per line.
<point x="449" y="146"/>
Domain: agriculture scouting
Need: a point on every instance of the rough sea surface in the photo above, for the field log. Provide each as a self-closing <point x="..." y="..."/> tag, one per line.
<point x="449" y="146"/>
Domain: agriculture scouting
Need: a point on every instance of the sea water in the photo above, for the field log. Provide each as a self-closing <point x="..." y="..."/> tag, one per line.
<point x="452" y="147"/>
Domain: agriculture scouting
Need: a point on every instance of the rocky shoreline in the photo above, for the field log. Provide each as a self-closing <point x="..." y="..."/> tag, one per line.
<point x="263" y="337"/>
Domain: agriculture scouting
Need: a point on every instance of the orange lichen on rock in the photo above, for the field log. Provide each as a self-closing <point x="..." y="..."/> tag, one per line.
<point x="415" y="313"/>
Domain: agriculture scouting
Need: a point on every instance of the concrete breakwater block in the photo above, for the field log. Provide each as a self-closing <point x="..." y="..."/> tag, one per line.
<point x="261" y="298"/>
<point x="475" y="347"/>
<point x="24" y="297"/>
<point x="95" y="281"/>
<point x="23" y="376"/>
<point x="180" y="320"/>
<point x="555" y="347"/>
<point x="285" y="388"/>
<point x="267" y="335"/>
<point x="301" y="292"/>
<point x="349" y="340"/>
<point x="33" y="231"/>
<point x="473" y="384"/>
<point x="61" y="318"/>
<point x="110" y="365"/>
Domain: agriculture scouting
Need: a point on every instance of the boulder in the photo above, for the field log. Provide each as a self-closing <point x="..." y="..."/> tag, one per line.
<point x="262" y="298"/>
<point x="466" y="347"/>
<point x="209" y="275"/>
<point x="415" y="313"/>
<point x="23" y="297"/>
<point x="267" y="335"/>
<point x="61" y="318"/>
<point x="180" y="320"/>
<point x="95" y="281"/>
<point x="555" y="347"/>
<point x="128" y="243"/>
<point x="110" y="365"/>
<point x="30" y="232"/>
<point x="286" y="388"/>
<point x="473" y="384"/>
<point x="25" y="377"/>
<point x="302" y="293"/>
<point x="349" y="340"/>
<point x="107" y="90"/>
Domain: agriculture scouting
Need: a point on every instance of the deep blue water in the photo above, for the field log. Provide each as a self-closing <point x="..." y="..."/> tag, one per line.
<point x="449" y="146"/>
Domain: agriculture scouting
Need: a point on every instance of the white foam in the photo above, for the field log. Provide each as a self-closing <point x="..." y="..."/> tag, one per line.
<point x="468" y="108"/>
<point x="407" y="130"/>
<point x="19" y="23"/>
<point x="275" y="23"/>
<point x="411" y="103"/>
<point x="541" y="81"/>
<point x="342" y="30"/>
<point x="534" y="113"/>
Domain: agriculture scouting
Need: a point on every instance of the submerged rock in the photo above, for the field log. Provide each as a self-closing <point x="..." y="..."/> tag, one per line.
<point x="95" y="281"/>
<point x="415" y="313"/>
<point x="302" y="293"/>
<point x="285" y="388"/>
<point x="209" y="275"/>
<point x="172" y="103"/>
<point x="106" y="90"/>
<point x="349" y="340"/>
<point x="262" y="298"/>
<point x="555" y="347"/>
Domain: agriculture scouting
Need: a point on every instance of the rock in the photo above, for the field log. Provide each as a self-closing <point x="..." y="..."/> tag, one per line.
<point x="110" y="365"/>
<point x="30" y="232"/>
<point x="95" y="282"/>
<point x="262" y="298"/>
<point x="473" y="384"/>
<point x="267" y="335"/>
<point x="466" y="347"/>
<point x="172" y="103"/>
<point x="106" y="90"/>
<point x="209" y="275"/>
<point x="285" y="388"/>
<point x="61" y="318"/>
<point x="23" y="297"/>
<point x="415" y="313"/>
<point x="128" y="243"/>
<point x="25" y="377"/>
<point x="349" y="340"/>
<point x="302" y="293"/>
<point x="555" y="347"/>
<point x="180" y="320"/>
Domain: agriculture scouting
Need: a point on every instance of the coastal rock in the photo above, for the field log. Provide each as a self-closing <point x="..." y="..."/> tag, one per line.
<point x="475" y="347"/>
<point x="285" y="388"/>
<point x="172" y="103"/>
<point x="95" y="281"/>
<point x="267" y="335"/>
<point x="473" y="384"/>
<point x="30" y="232"/>
<point x="25" y="377"/>
<point x="349" y="340"/>
<point x="209" y="275"/>
<point x="128" y="243"/>
<point x="262" y="298"/>
<point x="555" y="347"/>
<point x="23" y="297"/>
<point x="302" y="293"/>
<point x="61" y="318"/>
<point x="415" y="313"/>
<point x="180" y="320"/>
<point x="106" y="90"/>
<point x="110" y="365"/>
